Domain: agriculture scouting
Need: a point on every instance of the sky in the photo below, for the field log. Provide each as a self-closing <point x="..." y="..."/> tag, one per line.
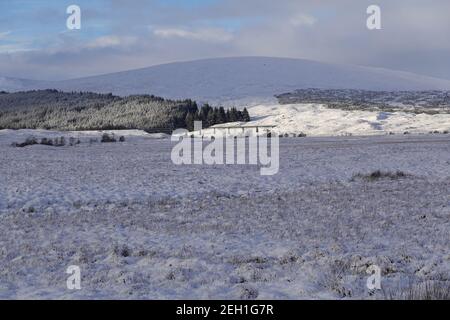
<point x="118" y="35"/>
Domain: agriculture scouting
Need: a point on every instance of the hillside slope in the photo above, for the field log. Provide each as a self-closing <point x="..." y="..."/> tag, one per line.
<point x="318" y="120"/>
<point x="245" y="79"/>
<point x="15" y="84"/>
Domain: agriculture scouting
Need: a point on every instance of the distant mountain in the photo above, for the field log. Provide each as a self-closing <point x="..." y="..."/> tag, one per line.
<point x="16" y="84"/>
<point x="249" y="79"/>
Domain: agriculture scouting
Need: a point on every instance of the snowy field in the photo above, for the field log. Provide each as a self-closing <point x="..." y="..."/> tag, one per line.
<point x="140" y="227"/>
<point x="318" y="120"/>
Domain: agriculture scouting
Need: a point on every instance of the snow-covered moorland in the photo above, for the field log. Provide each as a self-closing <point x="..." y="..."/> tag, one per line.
<point x="140" y="227"/>
<point x="319" y="120"/>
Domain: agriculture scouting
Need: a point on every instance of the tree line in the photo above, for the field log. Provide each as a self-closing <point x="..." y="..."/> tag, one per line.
<point x="56" y="110"/>
<point x="210" y="116"/>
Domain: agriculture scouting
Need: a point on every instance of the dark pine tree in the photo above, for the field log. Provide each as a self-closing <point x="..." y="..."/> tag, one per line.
<point x="203" y="112"/>
<point x="221" y="117"/>
<point x="190" y="118"/>
<point x="245" y="115"/>
<point x="233" y="115"/>
<point x="228" y="116"/>
<point x="216" y="115"/>
<point x="210" y="118"/>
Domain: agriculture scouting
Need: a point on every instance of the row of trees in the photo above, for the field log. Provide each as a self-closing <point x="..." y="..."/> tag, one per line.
<point x="56" y="110"/>
<point x="210" y="116"/>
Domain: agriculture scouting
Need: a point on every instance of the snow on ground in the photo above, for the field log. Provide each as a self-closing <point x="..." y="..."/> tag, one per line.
<point x="141" y="227"/>
<point x="315" y="119"/>
<point x="9" y="136"/>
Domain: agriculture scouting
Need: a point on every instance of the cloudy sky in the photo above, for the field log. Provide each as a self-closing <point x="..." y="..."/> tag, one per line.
<point x="118" y="35"/>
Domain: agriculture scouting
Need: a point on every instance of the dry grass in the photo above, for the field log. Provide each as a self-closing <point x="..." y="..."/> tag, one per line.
<point x="428" y="290"/>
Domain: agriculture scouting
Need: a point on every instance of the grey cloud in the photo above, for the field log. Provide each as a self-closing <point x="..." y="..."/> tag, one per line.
<point x="143" y="33"/>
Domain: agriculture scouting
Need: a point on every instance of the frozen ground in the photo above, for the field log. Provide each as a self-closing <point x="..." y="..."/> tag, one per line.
<point x="317" y="119"/>
<point x="141" y="227"/>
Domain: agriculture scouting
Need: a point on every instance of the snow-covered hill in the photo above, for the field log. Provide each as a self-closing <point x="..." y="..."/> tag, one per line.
<point x="315" y="119"/>
<point x="318" y="120"/>
<point x="15" y="84"/>
<point x="244" y="79"/>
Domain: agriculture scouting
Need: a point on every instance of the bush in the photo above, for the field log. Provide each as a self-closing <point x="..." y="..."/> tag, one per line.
<point x="106" y="138"/>
<point x="122" y="139"/>
<point x="60" y="142"/>
<point x="28" y="142"/>
<point x="378" y="175"/>
<point x="47" y="142"/>
<point x="73" y="141"/>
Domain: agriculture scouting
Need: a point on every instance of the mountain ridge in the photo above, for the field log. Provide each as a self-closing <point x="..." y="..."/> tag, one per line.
<point x="227" y="80"/>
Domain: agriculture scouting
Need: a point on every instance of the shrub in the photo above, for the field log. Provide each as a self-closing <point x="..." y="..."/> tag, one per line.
<point x="31" y="141"/>
<point x="47" y="142"/>
<point x="378" y="175"/>
<point x="249" y="293"/>
<point x="31" y="210"/>
<point x="333" y="278"/>
<point x="106" y="138"/>
<point x="60" y="142"/>
<point x="73" y="141"/>
<point x="122" y="251"/>
<point x="28" y="142"/>
<point x="122" y="139"/>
